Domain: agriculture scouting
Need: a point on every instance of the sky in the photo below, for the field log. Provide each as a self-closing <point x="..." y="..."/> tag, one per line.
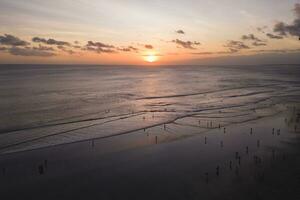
<point x="135" y="32"/>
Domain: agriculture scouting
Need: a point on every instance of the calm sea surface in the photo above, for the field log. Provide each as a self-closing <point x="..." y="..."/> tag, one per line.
<point x="49" y="105"/>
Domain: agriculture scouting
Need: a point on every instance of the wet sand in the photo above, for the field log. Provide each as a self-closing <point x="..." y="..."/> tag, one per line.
<point x="256" y="159"/>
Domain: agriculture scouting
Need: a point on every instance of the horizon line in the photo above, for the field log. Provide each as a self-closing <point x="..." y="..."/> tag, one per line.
<point x="134" y="65"/>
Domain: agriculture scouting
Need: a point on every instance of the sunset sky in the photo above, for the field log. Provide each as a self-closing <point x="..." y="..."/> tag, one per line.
<point x="142" y="32"/>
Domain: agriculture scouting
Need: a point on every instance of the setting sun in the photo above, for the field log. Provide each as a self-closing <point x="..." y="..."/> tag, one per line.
<point x="151" y="58"/>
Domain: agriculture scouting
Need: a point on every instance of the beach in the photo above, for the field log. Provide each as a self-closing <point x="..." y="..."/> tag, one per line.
<point x="150" y="133"/>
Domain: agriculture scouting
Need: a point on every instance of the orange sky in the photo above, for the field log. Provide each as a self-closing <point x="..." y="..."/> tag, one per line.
<point x="163" y="32"/>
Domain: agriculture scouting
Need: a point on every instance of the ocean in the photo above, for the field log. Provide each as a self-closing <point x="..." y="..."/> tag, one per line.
<point x="49" y="105"/>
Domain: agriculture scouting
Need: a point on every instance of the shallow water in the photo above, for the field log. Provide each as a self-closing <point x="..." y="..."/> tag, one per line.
<point x="50" y="105"/>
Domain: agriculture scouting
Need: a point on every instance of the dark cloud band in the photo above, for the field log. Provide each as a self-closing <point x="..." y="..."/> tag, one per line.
<point x="235" y="46"/>
<point x="17" y="51"/>
<point x="251" y="37"/>
<point x="180" y="31"/>
<point x="50" y="41"/>
<point x="148" y="46"/>
<point x="272" y="36"/>
<point x="11" y="40"/>
<point x="186" y="44"/>
<point x="292" y="29"/>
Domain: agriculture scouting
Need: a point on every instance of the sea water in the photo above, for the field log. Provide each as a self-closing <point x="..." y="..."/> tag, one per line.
<point x="48" y="105"/>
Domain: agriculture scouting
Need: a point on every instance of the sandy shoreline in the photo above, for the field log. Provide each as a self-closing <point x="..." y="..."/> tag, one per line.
<point x="191" y="168"/>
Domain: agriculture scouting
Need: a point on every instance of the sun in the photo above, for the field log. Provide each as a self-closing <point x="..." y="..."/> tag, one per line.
<point x="151" y="58"/>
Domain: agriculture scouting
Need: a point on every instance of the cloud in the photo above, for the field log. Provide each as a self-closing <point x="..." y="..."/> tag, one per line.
<point x="12" y="40"/>
<point x="272" y="36"/>
<point x="128" y="49"/>
<point x="77" y="46"/>
<point x="63" y="48"/>
<point x="276" y="51"/>
<point x="99" y="50"/>
<point x="148" y="46"/>
<point x="259" y="44"/>
<point x="99" y="44"/>
<point x="186" y="44"/>
<point x="99" y="47"/>
<point x="212" y="53"/>
<point x="17" y="51"/>
<point x="281" y="28"/>
<point x="50" y="41"/>
<point x="251" y="37"/>
<point x="43" y="48"/>
<point x="235" y="46"/>
<point x="292" y="29"/>
<point x="261" y="29"/>
<point x="69" y="51"/>
<point x="46" y="47"/>
<point x="180" y="31"/>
